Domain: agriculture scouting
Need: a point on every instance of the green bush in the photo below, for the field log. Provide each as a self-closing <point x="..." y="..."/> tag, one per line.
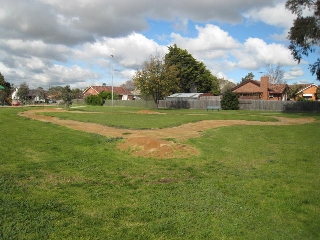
<point x="94" y="100"/>
<point x="100" y="99"/>
<point x="230" y="101"/>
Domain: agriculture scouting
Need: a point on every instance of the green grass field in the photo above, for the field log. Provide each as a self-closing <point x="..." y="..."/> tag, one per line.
<point x="249" y="182"/>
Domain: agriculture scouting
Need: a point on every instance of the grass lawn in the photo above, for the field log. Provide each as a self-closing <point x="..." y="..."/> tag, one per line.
<point x="249" y="182"/>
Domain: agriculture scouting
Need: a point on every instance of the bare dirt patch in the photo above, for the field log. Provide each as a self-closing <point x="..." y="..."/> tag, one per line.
<point x="148" y="112"/>
<point x="154" y="142"/>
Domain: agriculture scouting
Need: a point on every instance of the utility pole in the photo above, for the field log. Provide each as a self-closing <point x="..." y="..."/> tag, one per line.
<point x="112" y="84"/>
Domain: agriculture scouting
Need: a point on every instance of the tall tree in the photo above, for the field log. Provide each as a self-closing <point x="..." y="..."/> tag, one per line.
<point x="77" y="93"/>
<point x="23" y="93"/>
<point x="5" y="93"/>
<point x="192" y="74"/>
<point x="66" y="96"/>
<point x="249" y="76"/>
<point x="318" y="93"/>
<point x="156" y="79"/>
<point x="304" y="35"/>
<point x="293" y="91"/>
<point x="275" y="73"/>
<point x="55" y="92"/>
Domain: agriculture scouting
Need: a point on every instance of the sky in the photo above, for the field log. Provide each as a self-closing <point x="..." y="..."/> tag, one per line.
<point x="47" y="43"/>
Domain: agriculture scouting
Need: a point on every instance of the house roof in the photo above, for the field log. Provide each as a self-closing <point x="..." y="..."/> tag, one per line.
<point x="273" y="88"/>
<point x="255" y="82"/>
<point x="277" y="88"/>
<point x="299" y="86"/>
<point x="35" y="92"/>
<point x="303" y="88"/>
<point x="117" y="90"/>
<point x="185" y="95"/>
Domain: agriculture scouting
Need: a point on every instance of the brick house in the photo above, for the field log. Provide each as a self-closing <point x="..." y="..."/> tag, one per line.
<point x="123" y="93"/>
<point x="263" y="90"/>
<point x="308" y="92"/>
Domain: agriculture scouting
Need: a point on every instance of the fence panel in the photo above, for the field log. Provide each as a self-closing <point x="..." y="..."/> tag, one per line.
<point x="131" y="103"/>
<point x="261" y="105"/>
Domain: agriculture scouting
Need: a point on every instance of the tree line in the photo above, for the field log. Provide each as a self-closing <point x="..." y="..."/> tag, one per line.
<point x="66" y="94"/>
<point x="177" y="71"/>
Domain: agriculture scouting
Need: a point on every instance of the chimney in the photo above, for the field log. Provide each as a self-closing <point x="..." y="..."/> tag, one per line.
<point x="264" y="87"/>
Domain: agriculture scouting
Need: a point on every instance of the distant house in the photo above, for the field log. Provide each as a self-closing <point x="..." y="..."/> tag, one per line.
<point x="14" y="94"/>
<point x="123" y="93"/>
<point x="306" y="91"/>
<point x="263" y="90"/>
<point x="34" y="95"/>
<point x="184" y="96"/>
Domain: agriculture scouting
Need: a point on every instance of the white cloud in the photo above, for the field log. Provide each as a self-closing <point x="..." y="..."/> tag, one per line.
<point x="210" y="37"/>
<point x="276" y="15"/>
<point x="257" y="53"/>
<point x="78" y="21"/>
<point x="129" y="51"/>
<point x="293" y="73"/>
<point x="210" y="43"/>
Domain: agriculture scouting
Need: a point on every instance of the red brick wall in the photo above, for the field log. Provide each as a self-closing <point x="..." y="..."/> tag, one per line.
<point x="90" y="92"/>
<point x="311" y="90"/>
<point x="264" y="87"/>
<point x="248" y="88"/>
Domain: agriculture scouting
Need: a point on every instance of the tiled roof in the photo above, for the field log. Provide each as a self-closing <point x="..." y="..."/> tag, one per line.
<point x="255" y="82"/>
<point x="117" y="90"/>
<point x="299" y="86"/>
<point x="305" y="87"/>
<point x="273" y="88"/>
<point x="277" y="88"/>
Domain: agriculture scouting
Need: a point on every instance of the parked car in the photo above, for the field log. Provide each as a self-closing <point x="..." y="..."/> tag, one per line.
<point x="15" y="103"/>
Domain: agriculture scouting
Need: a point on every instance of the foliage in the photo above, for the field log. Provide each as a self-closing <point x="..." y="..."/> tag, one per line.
<point x="100" y="99"/>
<point x="42" y="93"/>
<point x="275" y="73"/>
<point x="156" y="79"/>
<point x="7" y="89"/>
<point x="230" y="101"/>
<point x="23" y="93"/>
<point x="318" y="93"/>
<point x="77" y="93"/>
<point x="249" y="76"/>
<point x="108" y="95"/>
<point x="94" y="100"/>
<point x="304" y="35"/>
<point x="66" y="96"/>
<point x="193" y="75"/>
<point x="55" y="92"/>
<point x="293" y="91"/>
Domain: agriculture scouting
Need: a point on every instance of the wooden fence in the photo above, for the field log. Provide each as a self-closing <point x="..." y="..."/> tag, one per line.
<point x="284" y="106"/>
<point x="261" y="105"/>
<point x="131" y="103"/>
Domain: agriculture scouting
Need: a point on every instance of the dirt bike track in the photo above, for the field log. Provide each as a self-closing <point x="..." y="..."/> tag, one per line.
<point x="155" y="143"/>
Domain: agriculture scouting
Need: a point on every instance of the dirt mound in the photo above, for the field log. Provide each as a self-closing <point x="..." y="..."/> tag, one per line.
<point x="157" y="148"/>
<point x="153" y="142"/>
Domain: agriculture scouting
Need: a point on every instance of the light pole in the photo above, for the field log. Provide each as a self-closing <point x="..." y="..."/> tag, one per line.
<point x="112" y="84"/>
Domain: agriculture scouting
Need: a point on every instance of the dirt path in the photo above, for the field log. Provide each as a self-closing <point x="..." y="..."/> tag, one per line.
<point x="155" y="142"/>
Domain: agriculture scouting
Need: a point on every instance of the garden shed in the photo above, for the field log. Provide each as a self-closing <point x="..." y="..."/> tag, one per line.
<point x="184" y="96"/>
